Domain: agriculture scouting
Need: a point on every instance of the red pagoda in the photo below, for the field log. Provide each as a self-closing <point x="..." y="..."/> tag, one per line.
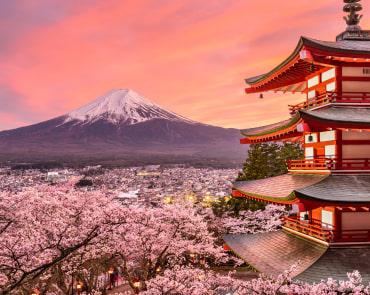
<point x="328" y="190"/>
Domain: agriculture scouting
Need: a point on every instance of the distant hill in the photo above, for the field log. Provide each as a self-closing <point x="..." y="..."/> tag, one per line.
<point x="122" y="128"/>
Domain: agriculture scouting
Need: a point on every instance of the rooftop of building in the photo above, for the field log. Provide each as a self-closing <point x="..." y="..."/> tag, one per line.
<point x="339" y="189"/>
<point x="277" y="188"/>
<point x="339" y="114"/>
<point x="272" y="253"/>
<point x="335" y="188"/>
<point x="353" y="48"/>
<point x="311" y="55"/>
<point x="346" y="116"/>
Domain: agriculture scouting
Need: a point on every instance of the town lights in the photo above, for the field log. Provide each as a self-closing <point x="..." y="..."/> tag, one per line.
<point x="35" y="292"/>
<point x="190" y="198"/>
<point x="110" y="277"/>
<point x="137" y="284"/>
<point x="158" y="269"/>
<point x="79" y="288"/>
<point x="168" y="200"/>
<point x="227" y="198"/>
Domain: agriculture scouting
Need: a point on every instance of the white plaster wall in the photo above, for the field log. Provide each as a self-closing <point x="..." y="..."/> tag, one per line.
<point x="325" y="76"/>
<point x="327" y="135"/>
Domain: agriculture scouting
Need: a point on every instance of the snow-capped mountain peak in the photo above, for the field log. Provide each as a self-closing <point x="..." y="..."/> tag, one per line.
<point x="122" y="106"/>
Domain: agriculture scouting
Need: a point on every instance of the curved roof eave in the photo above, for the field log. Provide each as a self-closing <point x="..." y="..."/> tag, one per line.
<point x="274" y="127"/>
<point x="256" y="79"/>
<point x="346" y="47"/>
<point x="340" y="120"/>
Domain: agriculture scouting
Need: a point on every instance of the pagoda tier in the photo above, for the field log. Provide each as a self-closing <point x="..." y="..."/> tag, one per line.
<point x="311" y="56"/>
<point x="328" y="208"/>
<point x="277" y="190"/>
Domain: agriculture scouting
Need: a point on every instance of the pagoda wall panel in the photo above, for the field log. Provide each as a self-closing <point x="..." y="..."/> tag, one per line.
<point x="316" y="214"/>
<point x="356" y="72"/>
<point x="355" y="220"/>
<point x="355" y="151"/>
<point x="356" y="86"/>
<point x="355" y="135"/>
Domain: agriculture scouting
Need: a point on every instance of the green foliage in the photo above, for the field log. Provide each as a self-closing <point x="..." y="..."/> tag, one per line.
<point x="269" y="159"/>
<point x="234" y="206"/>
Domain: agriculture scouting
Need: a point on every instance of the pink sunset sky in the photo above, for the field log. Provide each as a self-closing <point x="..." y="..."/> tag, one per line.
<point x="189" y="56"/>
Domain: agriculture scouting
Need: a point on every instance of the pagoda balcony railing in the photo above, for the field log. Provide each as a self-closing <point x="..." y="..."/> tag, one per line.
<point x="312" y="228"/>
<point x="325" y="232"/>
<point x="329" y="164"/>
<point x="331" y="97"/>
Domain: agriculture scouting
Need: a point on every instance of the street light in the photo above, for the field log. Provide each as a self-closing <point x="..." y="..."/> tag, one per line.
<point x="79" y="288"/>
<point x="137" y="284"/>
<point x="168" y="200"/>
<point x="110" y="277"/>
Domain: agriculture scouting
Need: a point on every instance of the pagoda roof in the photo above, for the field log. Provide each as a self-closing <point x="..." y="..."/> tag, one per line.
<point x="277" y="189"/>
<point x="271" y="253"/>
<point x="296" y="68"/>
<point x="337" y="262"/>
<point x="338" y="189"/>
<point x="257" y="131"/>
<point x="331" y="116"/>
<point x="345" y="116"/>
<point x="276" y="131"/>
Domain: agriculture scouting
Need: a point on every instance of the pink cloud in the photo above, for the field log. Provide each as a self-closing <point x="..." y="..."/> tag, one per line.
<point x="190" y="57"/>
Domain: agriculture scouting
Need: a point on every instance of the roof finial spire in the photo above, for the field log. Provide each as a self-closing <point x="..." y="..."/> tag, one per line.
<point x="352" y="7"/>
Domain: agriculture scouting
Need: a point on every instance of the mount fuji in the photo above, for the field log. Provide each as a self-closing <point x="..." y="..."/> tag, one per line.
<point x="122" y="127"/>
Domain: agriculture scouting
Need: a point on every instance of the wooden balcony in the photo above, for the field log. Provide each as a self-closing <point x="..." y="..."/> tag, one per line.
<point x="312" y="228"/>
<point x="325" y="232"/>
<point x="330" y="164"/>
<point x="331" y="97"/>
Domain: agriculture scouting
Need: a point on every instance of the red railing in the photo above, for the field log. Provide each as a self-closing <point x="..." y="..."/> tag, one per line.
<point x="309" y="164"/>
<point x="325" y="232"/>
<point x="331" y="97"/>
<point x="329" y="164"/>
<point x="313" y="228"/>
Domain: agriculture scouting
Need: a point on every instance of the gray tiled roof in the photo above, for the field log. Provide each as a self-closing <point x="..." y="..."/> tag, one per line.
<point x="343" y="45"/>
<point x="336" y="262"/>
<point x="278" y="186"/>
<point x="339" y="188"/>
<point x="274" y="252"/>
<point x="345" y="114"/>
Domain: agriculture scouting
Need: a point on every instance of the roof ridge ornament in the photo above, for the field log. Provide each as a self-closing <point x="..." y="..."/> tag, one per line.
<point x="352" y="7"/>
<point x="353" y="31"/>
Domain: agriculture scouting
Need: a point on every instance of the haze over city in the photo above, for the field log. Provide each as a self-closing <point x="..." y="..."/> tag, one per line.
<point x="188" y="56"/>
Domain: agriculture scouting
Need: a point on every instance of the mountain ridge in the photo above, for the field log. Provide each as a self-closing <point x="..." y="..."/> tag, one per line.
<point x="122" y="124"/>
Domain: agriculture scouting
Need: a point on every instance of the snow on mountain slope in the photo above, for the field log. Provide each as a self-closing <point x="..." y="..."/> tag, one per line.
<point x="123" y="106"/>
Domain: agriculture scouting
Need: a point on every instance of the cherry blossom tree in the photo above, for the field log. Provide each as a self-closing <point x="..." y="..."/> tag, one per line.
<point x="250" y="222"/>
<point x="192" y="281"/>
<point x="45" y="226"/>
<point x="156" y="239"/>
